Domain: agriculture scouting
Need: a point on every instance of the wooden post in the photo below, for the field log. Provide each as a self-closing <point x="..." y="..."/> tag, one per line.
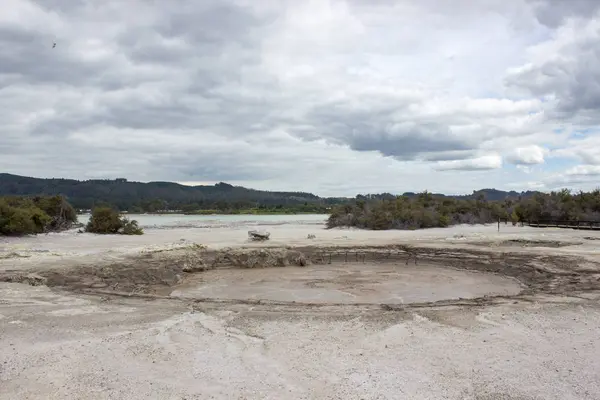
<point x="498" y="224"/>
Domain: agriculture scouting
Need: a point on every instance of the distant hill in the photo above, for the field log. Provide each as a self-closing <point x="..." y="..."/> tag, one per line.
<point x="494" y="194"/>
<point x="153" y="196"/>
<point x="488" y="194"/>
<point x="165" y="195"/>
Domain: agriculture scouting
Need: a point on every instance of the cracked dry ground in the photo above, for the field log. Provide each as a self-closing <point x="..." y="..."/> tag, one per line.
<point x="127" y="329"/>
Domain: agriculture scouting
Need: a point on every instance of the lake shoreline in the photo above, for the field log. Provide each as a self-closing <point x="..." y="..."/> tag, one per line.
<point x="248" y="213"/>
<point x="172" y="220"/>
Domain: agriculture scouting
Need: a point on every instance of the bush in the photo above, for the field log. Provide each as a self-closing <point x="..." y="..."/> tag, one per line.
<point x="105" y="220"/>
<point x="62" y="214"/>
<point x="425" y="210"/>
<point x="514" y="218"/>
<point x="131" y="227"/>
<point x="443" y="221"/>
<point x="22" y="221"/>
<point x="421" y="211"/>
<point x="25" y="216"/>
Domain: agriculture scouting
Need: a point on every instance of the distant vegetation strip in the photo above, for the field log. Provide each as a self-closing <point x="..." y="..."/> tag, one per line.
<point x="223" y="198"/>
<point x="428" y="211"/>
<point x="153" y="197"/>
<point x="34" y="208"/>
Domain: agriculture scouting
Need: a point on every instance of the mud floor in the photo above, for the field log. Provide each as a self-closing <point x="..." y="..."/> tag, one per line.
<point x="349" y="283"/>
<point x="341" y="275"/>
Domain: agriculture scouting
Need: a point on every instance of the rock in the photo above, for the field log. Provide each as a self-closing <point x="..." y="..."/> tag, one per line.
<point x="191" y="268"/>
<point x="301" y="260"/>
<point x="194" y="263"/>
<point x="35" y="280"/>
<point x="193" y="260"/>
<point x="256" y="235"/>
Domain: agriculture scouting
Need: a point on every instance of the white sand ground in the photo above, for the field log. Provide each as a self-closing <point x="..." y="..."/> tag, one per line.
<point x="59" y="345"/>
<point x="64" y="247"/>
<point x="66" y="347"/>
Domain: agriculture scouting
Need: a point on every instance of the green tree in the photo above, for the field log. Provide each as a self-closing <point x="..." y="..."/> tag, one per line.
<point x="105" y="220"/>
<point x="514" y="217"/>
<point x="24" y="216"/>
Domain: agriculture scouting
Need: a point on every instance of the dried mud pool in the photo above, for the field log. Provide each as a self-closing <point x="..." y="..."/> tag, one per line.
<point x="341" y="283"/>
<point x="385" y="276"/>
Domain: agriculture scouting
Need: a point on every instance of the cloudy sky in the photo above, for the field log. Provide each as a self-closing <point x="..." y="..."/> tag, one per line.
<point x="336" y="97"/>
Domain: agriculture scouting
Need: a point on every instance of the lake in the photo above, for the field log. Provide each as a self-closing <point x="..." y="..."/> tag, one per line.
<point x="166" y="221"/>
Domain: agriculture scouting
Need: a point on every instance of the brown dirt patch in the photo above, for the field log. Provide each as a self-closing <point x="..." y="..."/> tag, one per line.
<point x="158" y="273"/>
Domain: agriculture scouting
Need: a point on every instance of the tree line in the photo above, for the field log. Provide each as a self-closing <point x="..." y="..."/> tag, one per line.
<point x="159" y="196"/>
<point x="426" y="210"/>
<point x="21" y="215"/>
<point x="222" y="198"/>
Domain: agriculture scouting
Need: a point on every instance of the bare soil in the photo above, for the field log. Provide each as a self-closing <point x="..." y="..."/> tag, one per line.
<point x="351" y="315"/>
<point x="163" y="273"/>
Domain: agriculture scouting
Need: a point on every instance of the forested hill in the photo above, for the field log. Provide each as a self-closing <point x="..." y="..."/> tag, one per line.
<point x="487" y="194"/>
<point x="152" y="196"/>
<point x="155" y="196"/>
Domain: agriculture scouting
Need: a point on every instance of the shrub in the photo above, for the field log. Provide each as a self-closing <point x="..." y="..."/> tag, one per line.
<point x="26" y="216"/>
<point x="62" y="214"/>
<point x="443" y="221"/>
<point x="105" y="220"/>
<point x="417" y="212"/>
<point x="514" y="218"/>
<point x="22" y="221"/>
<point x="131" y="227"/>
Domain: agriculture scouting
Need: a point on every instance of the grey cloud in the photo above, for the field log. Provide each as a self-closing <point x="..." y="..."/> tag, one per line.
<point x="211" y="23"/>
<point x="212" y="71"/>
<point x="589" y="183"/>
<point x="468" y="168"/>
<point x="553" y="13"/>
<point x="30" y="56"/>
<point x="591" y="156"/>
<point x="404" y="147"/>
<point x="142" y="161"/>
<point x="199" y="33"/>
<point x="213" y="80"/>
<point x="63" y="6"/>
<point x="379" y="129"/>
<point x="156" y="53"/>
<point x="482" y="163"/>
<point x="147" y="116"/>
<point x="573" y="78"/>
<point x="449" y="155"/>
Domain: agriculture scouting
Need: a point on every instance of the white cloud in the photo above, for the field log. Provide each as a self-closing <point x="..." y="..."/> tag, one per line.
<point x="583" y="170"/>
<point x="492" y="161"/>
<point x="584" y="177"/>
<point x="529" y="155"/>
<point x="584" y="149"/>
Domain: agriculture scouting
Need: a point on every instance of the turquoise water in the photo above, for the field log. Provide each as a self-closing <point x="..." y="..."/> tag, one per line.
<point x="166" y="221"/>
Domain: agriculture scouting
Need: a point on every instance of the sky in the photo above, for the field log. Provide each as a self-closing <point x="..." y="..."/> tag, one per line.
<point x="334" y="97"/>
